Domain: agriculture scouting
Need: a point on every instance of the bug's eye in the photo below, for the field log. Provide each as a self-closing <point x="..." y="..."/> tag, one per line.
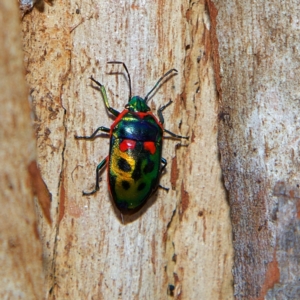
<point x="127" y="106"/>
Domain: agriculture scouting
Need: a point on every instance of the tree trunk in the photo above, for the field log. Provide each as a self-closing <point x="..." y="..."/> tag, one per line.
<point x="258" y="82"/>
<point x="21" y="270"/>
<point x="179" y="244"/>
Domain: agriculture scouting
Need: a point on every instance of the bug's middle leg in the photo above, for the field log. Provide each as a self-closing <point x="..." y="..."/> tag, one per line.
<point x="160" y="110"/>
<point x="176" y="135"/>
<point x="90" y="137"/>
<point x="161" y="120"/>
<point x="98" y="169"/>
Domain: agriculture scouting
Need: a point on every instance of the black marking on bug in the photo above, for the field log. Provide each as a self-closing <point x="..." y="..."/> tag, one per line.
<point x="149" y="167"/>
<point x="137" y="173"/>
<point x="125" y="185"/>
<point x="123" y="205"/>
<point x="141" y="186"/>
<point x="124" y="165"/>
<point x="154" y="182"/>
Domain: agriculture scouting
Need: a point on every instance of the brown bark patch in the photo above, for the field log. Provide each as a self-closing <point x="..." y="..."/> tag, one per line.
<point x="40" y="189"/>
<point x="271" y="278"/>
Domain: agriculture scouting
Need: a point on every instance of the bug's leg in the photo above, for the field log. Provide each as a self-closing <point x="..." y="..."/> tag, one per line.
<point x="176" y="135"/>
<point x="98" y="169"/>
<point x="161" y="120"/>
<point x="101" y="128"/>
<point x="163" y="187"/>
<point x="164" y="164"/>
<point x="160" y="110"/>
<point x="103" y="92"/>
<point x="158" y="82"/>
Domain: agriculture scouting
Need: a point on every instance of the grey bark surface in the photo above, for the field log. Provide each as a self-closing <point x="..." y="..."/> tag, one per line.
<point x="258" y="82"/>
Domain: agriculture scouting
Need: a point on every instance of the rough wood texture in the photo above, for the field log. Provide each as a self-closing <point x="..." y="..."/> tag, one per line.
<point x="20" y="247"/>
<point x="181" y="238"/>
<point x="259" y="142"/>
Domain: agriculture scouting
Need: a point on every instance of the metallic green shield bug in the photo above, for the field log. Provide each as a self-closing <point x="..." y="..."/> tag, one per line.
<point x="134" y="161"/>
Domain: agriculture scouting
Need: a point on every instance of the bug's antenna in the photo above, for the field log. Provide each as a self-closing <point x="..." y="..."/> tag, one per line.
<point x="158" y="82"/>
<point x="121" y="63"/>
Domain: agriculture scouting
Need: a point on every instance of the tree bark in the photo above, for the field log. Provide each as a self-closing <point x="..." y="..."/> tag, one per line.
<point x="238" y="78"/>
<point x="21" y="270"/>
<point x="258" y="82"/>
<point x="179" y="245"/>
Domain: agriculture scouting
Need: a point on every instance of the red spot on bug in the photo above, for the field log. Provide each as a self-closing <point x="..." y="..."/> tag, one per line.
<point x="127" y="144"/>
<point x="150" y="146"/>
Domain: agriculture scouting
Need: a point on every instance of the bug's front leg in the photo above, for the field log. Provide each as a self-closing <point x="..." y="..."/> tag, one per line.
<point x="103" y="92"/>
<point x="98" y="169"/>
<point x="101" y="128"/>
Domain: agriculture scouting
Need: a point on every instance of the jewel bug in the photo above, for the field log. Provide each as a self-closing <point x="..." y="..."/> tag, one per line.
<point x="135" y="161"/>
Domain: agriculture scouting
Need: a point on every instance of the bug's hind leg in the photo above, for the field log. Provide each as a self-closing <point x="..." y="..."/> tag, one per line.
<point x="98" y="169"/>
<point x="164" y="164"/>
<point x="163" y="187"/>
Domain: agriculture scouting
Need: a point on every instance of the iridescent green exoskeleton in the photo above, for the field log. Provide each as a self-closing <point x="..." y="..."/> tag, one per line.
<point x="135" y="160"/>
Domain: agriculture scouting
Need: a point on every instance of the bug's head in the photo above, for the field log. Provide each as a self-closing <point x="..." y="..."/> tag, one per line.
<point x="137" y="104"/>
